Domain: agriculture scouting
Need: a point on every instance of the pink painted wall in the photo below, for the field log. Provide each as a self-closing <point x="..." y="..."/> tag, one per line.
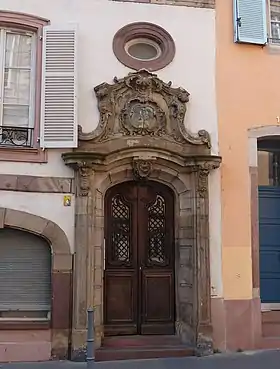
<point x="25" y="345"/>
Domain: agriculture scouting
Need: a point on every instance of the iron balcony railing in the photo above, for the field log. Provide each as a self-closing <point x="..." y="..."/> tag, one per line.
<point x="274" y="40"/>
<point x="16" y="136"/>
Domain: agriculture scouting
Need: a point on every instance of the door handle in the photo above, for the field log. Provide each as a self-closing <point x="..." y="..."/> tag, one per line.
<point x="140" y="268"/>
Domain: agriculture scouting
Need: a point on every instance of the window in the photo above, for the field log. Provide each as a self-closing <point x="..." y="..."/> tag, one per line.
<point x="38" y="79"/>
<point x="144" y="45"/>
<point x="269" y="162"/>
<point x="143" y="49"/>
<point x="257" y="22"/>
<point x="17" y="85"/>
<point x="20" y="86"/>
<point x="275" y="21"/>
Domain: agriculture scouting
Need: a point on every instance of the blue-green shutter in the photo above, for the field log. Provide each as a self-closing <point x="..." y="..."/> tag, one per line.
<point x="250" y="23"/>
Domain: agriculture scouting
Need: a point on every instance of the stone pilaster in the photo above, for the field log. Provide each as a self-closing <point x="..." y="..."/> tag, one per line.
<point x="204" y="344"/>
<point x="83" y="257"/>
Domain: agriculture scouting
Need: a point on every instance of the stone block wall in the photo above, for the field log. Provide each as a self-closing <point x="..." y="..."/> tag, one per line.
<point x="190" y="3"/>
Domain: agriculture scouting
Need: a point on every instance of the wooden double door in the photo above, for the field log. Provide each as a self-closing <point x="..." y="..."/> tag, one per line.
<point x="139" y="259"/>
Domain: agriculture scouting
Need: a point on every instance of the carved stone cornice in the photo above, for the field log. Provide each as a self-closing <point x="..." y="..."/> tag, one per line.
<point x="142" y="165"/>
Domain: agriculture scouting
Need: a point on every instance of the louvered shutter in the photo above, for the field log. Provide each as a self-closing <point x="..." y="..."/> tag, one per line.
<point x="250" y="21"/>
<point x="59" y="128"/>
<point x="25" y="272"/>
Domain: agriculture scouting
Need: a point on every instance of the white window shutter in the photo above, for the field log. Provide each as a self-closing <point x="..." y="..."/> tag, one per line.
<point x="59" y="126"/>
<point x="250" y="23"/>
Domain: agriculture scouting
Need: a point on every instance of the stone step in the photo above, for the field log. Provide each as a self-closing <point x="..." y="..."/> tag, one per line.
<point x="142" y="347"/>
<point x="140" y="341"/>
<point x="134" y="353"/>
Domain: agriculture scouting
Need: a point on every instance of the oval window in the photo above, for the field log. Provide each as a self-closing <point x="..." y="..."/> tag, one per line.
<point x="144" y="45"/>
<point x="143" y="49"/>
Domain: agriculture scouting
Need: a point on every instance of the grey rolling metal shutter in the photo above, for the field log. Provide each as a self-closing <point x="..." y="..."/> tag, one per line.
<point x="25" y="272"/>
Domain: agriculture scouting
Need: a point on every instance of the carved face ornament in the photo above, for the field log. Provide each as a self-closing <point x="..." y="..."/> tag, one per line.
<point x="142" y="168"/>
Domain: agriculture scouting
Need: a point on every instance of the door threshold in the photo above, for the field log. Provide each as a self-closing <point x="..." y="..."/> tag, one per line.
<point x="142" y="347"/>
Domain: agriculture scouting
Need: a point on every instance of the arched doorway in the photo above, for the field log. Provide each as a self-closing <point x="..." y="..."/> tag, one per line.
<point x="269" y="220"/>
<point x="162" y="150"/>
<point x="139" y="259"/>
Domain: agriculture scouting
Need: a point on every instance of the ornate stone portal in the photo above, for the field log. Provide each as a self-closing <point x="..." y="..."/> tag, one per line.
<point x="141" y="136"/>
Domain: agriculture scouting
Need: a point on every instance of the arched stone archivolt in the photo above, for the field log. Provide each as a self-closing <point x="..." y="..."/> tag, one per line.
<point x="42" y="227"/>
<point x="184" y="240"/>
<point x="61" y="273"/>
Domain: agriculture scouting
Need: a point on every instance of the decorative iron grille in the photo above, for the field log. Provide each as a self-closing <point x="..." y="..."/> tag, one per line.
<point x="16" y="136"/>
<point x="156" y="228"/>
<point x="121" y="233"/>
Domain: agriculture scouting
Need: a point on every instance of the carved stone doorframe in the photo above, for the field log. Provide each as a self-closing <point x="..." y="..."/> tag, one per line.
<point x="141" y="136"/>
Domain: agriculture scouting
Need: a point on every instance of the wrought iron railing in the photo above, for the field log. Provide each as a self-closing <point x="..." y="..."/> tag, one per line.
<point x="275" y="41"/>
<point x="16" y="136"/>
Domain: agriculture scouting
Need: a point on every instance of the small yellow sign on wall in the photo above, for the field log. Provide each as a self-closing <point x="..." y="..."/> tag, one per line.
<point x="67" y="200"/>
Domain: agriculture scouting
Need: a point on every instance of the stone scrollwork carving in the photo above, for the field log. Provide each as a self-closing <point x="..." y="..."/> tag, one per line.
<point x="203" y="173"/>
<point x="141" y="104"/>
<point x="203" y="168"/>
<point x="142" y="168"/>
<point x="142" y="116"/>
<point x="84" y="171"/>
<point x="202" y="187"/>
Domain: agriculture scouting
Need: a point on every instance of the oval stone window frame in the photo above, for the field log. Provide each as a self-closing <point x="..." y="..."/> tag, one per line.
<point x="143" y="41"/>
<point x="144" y="31"/>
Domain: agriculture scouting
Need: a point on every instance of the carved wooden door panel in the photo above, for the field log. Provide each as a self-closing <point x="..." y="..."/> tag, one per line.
<point x="156" y="258"/>
<point x="139" y="260"/>
<point x="120" y="285"/>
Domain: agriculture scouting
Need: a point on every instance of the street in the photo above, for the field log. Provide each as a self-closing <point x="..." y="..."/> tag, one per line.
<point x="247" y="360"/>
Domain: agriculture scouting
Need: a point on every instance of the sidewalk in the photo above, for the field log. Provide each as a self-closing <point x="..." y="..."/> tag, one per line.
<point x="269" y="359"/>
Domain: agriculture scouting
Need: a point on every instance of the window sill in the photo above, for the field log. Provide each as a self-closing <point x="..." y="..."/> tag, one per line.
<point x="16" y="324"/>
<point x="23" y="154"/>
<point x="273" y="48"/>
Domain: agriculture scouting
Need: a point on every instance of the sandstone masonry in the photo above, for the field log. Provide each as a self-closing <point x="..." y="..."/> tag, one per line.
<point x="191" y="3"/>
